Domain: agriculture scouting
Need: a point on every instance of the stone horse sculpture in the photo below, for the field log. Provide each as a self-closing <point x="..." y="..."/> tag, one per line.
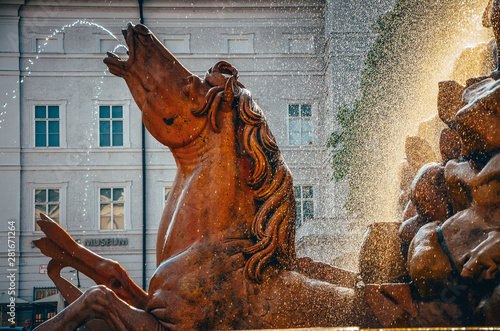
<point x="225" y="249"/>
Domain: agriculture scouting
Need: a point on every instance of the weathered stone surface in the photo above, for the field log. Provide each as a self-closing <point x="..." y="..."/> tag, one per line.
<point x="380" y="259"/>
<point x="449" y="101"/>
<point x="418" y="153"/>
<point x="450" y="145"/>
<point x="465" y="244"/>
<point x="454" y="238"/>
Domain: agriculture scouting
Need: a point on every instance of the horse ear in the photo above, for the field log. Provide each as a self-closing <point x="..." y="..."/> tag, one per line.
<point x="225" y="68"/>
<point x="193" y="88"/>
<point x="230" y="90"/>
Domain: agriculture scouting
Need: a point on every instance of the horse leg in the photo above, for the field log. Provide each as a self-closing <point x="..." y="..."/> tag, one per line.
<point x="69" y="291"/>
<point x="99" y="302"/>
<point x="59" y="245"/>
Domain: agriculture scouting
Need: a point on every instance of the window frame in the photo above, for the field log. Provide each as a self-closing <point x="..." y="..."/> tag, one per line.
<point x="125" y="119"/>
<point x="185" y="38"/>
<point x="162" y="186"/>
<point x="311" y="119"/>
<point x="307" y="37"/>
<point x="100" y="36"/>
<point x="59" y="38"/>
<point x="160" y="201"/>
<point x="62" y="187"/>
<point x="166" y="195"/>
<point x="248" y="36"/>
<point x="62" y="122"/>
<point x="300" y="200"/>
<point x="126" y="204"/>
<point x="105" y="38"/>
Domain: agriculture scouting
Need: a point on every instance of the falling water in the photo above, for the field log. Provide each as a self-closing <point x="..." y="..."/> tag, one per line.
<point x="414" y="97"/>
<point x="417" y="46"/>
<point x="41" y="48"/>
<point x="91" y="132"/>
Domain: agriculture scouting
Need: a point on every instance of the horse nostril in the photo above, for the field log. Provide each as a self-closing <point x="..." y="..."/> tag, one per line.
<point x="169" y="121"/>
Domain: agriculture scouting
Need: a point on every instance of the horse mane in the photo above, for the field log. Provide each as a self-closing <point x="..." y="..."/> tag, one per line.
<point x="273" y="226"/>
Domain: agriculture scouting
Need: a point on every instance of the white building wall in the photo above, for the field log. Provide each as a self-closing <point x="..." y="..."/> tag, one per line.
<point x="334" y="237"/>
<point x="10" y="170"/>
<point x="268" y="37"/>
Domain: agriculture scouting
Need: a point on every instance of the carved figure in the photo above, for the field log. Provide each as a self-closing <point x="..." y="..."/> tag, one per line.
<point x="418" y="152"/>
<point x="453" y="241"/>
<point x="225" y="249"/>
<point x="467" y="244"/>
<point x="451" y="228"/>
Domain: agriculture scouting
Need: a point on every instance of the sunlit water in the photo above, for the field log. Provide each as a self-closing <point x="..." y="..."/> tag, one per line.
<point x="416" y="107"/>
<point x="410" y="91"/>
<point x="40" y="49"/>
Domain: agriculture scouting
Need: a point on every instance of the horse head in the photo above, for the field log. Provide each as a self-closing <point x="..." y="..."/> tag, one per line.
<point x="178" y="107"/>
<point x="162" y="87"/>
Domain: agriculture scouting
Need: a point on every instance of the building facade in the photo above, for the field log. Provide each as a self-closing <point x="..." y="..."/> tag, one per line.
<point x="71" y="140"/>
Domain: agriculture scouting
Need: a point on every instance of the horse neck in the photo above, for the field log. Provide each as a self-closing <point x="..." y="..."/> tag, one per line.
<point x="208" y="153"/>
<point x="210" y="197"/>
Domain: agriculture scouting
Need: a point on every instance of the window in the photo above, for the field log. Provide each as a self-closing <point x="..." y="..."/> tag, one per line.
<point x="43" y="312"/>
<point x="166" y="193"/>
<point x="239" y="44"/>
<point x="43" y="292"/>
<point x="47" y="128"/>
<point x="305" y="204"/>
<point x="113" y="124"/>
<point x="299" y="124"/>
<point x="111" y="45"/>
<point x="44" y="44"/>
<point x="112" y="208"/>
<point x="47" y="201"/>
<point x="164" y="189"/>
<point x="304" y="44"/>
<point x="48" y="118"/>
<point x="177" y="43"/>
<point x="110" y="125"/>
<point x="47" y="198"/>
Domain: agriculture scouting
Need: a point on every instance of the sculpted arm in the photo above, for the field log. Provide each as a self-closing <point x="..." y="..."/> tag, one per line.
<point x="100" y="303"/>
<point x="484" y="258"/>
